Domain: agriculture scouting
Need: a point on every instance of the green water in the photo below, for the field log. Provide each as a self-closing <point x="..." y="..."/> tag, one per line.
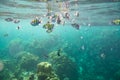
<point x="90" y="53"/>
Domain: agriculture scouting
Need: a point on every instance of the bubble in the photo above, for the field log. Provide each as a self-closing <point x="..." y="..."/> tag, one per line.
<point x="111" y="49"/>
<point x="83" y="47"/>
<point x="81" y="37"/>
<point x="102" y="55"/>
<point x="89" y="24"/>
<point x="1" y="66"/>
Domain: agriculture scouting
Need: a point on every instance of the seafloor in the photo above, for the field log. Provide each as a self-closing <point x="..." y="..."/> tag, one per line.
<point x="90" y="52"/>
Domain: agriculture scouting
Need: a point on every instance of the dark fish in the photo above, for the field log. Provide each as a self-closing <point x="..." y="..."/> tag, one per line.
<point x="75" y="25"/>
<point x="9" y="19"/>
<point x="58" y="52"/>
<point x="18" y="27"/>
<point x="58" y="20"/>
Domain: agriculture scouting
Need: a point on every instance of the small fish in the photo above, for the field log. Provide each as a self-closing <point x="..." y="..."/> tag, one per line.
<point x="75" y="25"/>
<point x="58" y="52"/>
<point x="9" y="19"/>
<point x="35" y="22"/>
<point x="18" y="27"/>
<point x="16" y="21"/>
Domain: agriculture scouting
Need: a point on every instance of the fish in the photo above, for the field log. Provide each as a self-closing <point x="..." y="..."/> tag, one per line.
<point x="35" y="22"/>
<point x="16" y="21"/>
<point x="9" y="19"/>
<point x="75" y="25"/>
<point x="58" y="52"/>
<point x="18" y="27"/>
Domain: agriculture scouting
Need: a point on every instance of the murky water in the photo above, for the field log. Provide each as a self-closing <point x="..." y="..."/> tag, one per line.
<point x="88" y="53"/>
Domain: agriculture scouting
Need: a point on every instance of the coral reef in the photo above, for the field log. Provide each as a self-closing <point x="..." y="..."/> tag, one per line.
<point x="27" y="61"/>
<point x="31" y="77"/>
<point x="4" y="75"/>
<point x="64" y="66"/>
<point x="9" y="68"/>
<point x="45" y="72"/>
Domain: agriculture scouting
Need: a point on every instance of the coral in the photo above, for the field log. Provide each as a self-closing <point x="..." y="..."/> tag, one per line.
<point x="31" y="77"/>
<point x="4" y="75"/>
<point x="45" y="72"/>
<point x="44" y="67"/>
<point x="27" y="61"/>
<point x="64" y="66"/>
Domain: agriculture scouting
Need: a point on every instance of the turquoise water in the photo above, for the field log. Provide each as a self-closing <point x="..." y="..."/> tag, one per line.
<point x="90" y="53"/>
